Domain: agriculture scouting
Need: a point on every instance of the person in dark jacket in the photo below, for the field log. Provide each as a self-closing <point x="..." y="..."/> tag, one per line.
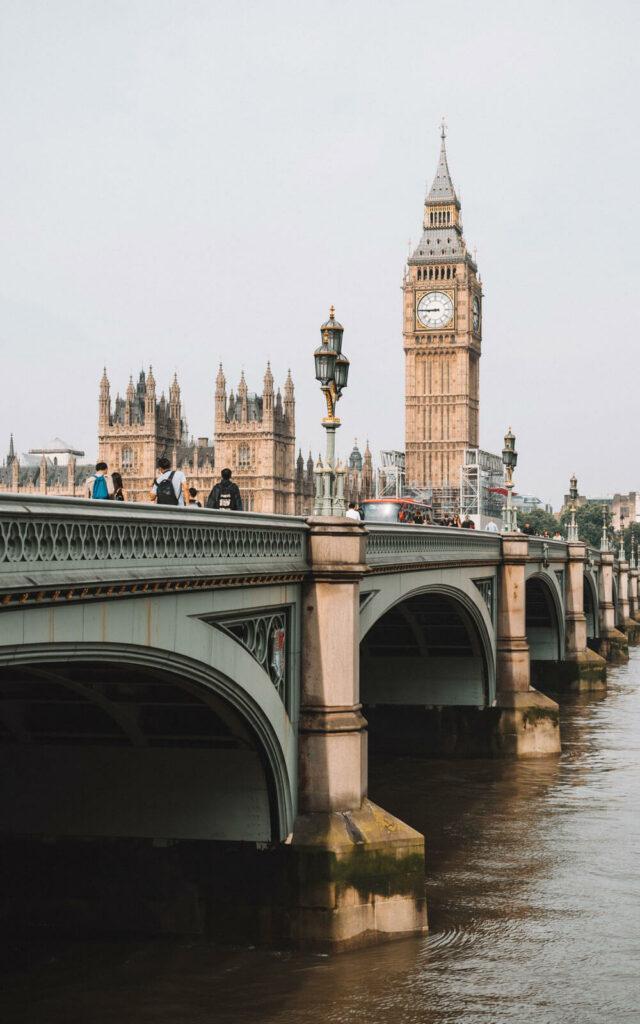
<point x="225" y="495"/>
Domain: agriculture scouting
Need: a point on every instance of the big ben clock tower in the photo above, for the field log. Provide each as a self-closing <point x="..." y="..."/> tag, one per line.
<point x="442" y="340"/>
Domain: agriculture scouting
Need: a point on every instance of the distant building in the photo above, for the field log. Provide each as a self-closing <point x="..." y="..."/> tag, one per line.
<point x="52" y="469"/>
<point x="442" y="333"/>
<point x="254" y="437"/>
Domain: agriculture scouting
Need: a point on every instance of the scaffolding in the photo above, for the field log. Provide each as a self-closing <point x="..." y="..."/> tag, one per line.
<point x="481" y="484"/>
<point x="390" y="475"/>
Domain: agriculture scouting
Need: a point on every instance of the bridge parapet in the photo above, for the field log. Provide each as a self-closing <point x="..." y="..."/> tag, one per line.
<point x="405" y="547"/>
<point x="51" y="545"/>
<point x="542" y="549"/>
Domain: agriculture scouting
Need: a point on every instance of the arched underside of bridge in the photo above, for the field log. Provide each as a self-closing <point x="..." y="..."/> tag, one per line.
<point x="97" y="747"/>
<point x="426" y="650"/>
<point x="544" y="619"/>
<point x="426" y="667"/>
<point x="146" y="758"/>
<point x="590" y="604"/>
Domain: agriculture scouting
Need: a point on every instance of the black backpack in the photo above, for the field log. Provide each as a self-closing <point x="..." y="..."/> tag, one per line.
<point x="225" y="494"/>
<point x="165" y="494"/>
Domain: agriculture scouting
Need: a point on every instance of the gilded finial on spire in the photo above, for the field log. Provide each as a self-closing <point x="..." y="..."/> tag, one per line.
<point x="443" y="129"/>
<point x="332" y="312"/>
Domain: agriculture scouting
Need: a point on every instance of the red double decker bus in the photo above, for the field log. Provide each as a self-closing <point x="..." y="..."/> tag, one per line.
<point x="406" y="511"/>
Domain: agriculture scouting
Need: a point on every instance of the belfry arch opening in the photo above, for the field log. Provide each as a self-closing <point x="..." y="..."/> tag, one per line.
<point x="425" y="654"/>
<point x="131" y="797"/>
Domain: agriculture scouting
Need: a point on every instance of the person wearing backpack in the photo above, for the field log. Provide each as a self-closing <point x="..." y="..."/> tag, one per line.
<point x="170" y="485"/>
<point x="225" y="495"/>
<point x="100" y="485"/>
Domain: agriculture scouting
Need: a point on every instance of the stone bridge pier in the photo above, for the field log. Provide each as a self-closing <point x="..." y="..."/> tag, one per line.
<point x="614" y="645"/>
<point x="359" y="871"/>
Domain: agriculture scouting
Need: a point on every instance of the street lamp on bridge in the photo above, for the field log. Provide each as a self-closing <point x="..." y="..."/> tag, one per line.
<point x="621" y="554"/>
<point x="332" y="371"/>
<point x="604" y="540"/>
<point x="572" y="532"/>
<point x="510" y="460"/>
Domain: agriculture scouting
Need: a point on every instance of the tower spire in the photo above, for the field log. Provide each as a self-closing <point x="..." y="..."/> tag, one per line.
<point x="442" y="190"/>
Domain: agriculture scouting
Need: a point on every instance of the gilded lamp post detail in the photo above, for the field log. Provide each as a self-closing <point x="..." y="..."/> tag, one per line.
<point x="510" y="460"/>
<point x="332" y="371"/>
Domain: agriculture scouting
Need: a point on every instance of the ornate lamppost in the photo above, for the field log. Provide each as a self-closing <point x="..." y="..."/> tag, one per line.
<point x="621" y="554"/>
<point x="509" y="459"/>
<point x="604" y="540"/>
<point x="332" y="371"/>
<point x="572" y="532"/>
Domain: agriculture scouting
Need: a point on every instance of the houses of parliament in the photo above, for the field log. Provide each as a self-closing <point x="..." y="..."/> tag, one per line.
<point x="254" y="432"/>
<point x="254" y="436"/>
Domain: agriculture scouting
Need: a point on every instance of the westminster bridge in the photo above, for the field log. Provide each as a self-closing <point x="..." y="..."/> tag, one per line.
<point x="190" y="679"/>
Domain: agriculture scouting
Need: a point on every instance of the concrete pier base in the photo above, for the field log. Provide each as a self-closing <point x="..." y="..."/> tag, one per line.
<point x="584" y="672"/>
<point x="355" y="877"/>
<point x="631" y="630"/>
<point x="614" y="646"/>
<point x="523" y="724"/>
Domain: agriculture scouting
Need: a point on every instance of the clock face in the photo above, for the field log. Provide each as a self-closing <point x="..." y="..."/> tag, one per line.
<point x="476" y="314"/>
<point x="435" y="309"/>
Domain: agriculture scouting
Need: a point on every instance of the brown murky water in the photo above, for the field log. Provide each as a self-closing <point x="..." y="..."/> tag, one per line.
<point x="534" y="900"/>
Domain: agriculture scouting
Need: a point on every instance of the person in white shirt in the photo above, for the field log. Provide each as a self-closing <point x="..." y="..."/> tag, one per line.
<point x="491" y="527"/>
<point x="352" y="512"/>
<point x="170" y="486"/>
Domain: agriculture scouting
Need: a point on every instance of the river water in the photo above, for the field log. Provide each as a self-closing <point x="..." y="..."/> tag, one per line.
<point x="534" y="904"/>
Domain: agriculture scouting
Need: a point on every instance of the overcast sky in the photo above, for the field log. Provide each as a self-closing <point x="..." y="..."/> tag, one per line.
<point x="187" y="182"/>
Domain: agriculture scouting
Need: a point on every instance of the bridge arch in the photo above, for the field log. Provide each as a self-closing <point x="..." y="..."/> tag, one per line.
<point x="427" y="643"/>
<point x="617" y="611"/>
<point x="544" y="617"/>
<point x="210" y="679"/>
<point x="590" y="604"/>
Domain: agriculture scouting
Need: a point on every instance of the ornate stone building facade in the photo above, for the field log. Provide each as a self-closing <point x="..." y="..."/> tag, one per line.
<point x="56" y="472"/>
<point x="442" y="332"/>
<point x="254" y="437"/>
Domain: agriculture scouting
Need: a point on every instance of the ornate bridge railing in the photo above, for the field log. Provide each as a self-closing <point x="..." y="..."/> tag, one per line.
<point x="56" y="548"/>
<point x="541" y="550"/>
<point x="389" y="546"/>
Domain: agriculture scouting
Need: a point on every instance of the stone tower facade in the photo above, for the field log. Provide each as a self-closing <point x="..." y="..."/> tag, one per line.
<point x="255" y="437"/>
<point x="137" y="430"/>
<point x="442" y="332"/>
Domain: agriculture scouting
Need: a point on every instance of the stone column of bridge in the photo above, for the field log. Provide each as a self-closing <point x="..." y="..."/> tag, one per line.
<point x="633" y="595"/>
<point x="626" y="624"/>
<point x="582" y="669"/>
<point x="613" y="644"/>
<point x="527" y="722"/>
<point x="359" y="872"/>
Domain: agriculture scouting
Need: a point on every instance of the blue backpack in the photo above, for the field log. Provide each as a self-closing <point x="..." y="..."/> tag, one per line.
<point x="100" y="489"/>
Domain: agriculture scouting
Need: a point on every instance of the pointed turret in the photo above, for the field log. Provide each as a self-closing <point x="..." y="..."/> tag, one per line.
<point x="289" y="402"/>
<point x="243" y="393"/>
<point x="442" y="189"/>
<point x="442" y="239"/>
<point x="175" y="406"/>
<point x="150" y="398"/>
<point x="11" y="455"/>
<point x="104" y="402"/>
<point x="129" y="399"/>
<point x="141" y="387"/>
<point x="267" y="394"/>
<point x="220" y="414"/>
<point x="279" y="404"/>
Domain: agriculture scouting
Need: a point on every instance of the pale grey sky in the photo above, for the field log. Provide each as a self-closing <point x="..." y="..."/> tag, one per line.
<point x="186" y="181"/>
